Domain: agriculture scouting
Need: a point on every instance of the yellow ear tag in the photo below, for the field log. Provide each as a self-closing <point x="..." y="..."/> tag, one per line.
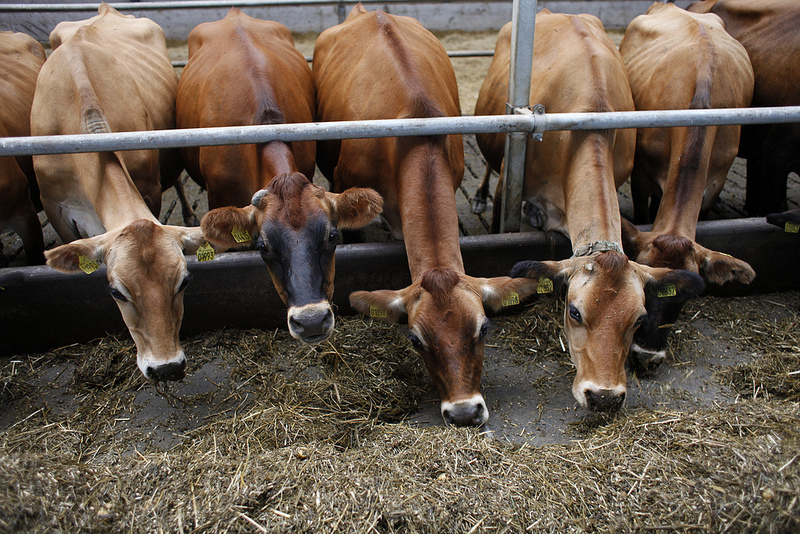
<point x="545" y="286"/>
<point x="667" y="291"/>
<point x="725" y="254"/>
<point x="791" y="228"/>
<point x="375" y="311"/>
<point x="511" y="300"/>
<point x="240" y="235"/>
<point x="87" y="265"/>
<point x="205" y="252"/>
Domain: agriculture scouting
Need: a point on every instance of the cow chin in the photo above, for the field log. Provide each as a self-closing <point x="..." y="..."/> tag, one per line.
<point x="467" y="412"/>
<point x="311" y="323"/>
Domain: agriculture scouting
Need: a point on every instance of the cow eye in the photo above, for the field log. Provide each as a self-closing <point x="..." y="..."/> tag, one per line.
<point x="333" y="236"/>
<point x="185" y="282"/>
<point x="484" y="330"/>
<point x="639" y="321"/>
<point x="574" y="313"/>
<point x="415" y="341"/>
<point x="117" y="294"/>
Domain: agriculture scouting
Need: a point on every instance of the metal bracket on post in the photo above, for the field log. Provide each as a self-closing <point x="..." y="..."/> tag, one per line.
<point x="539" y="123"/>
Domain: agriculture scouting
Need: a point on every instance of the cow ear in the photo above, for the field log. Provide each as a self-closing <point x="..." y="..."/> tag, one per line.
<point x="231" y="227"/>
<point x="631" y="239"/>
<point x="503" y="291"/>
<point x="190" y="238"/>
<point x="663" y="283"/>
<point x="718" y="267"/>
<point x="550" y="276"/>
<point x="788" y="220"/>
<point x="80" y="255"/>
<point x="355" y="207"/>
<point x="384" y="304"/>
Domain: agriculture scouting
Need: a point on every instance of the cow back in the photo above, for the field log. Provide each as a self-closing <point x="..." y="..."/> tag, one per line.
<point x="576" y="68"/>
<point x="243" y="71"/>
<point x="108" y="73"/>
<point x="380" y="66"/>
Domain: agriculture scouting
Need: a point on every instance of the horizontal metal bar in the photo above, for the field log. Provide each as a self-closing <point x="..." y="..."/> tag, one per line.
<point x="64" y="144"/>
<point x="180" y="63"/>
<point x="204" y="4"/>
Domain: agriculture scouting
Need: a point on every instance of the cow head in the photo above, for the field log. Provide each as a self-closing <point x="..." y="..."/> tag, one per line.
<point x="295" y="225"/>
<point x="607" y="299"/>
<point x="147" y="273"/>
<point x="664" y="250"/>
<point x="447" y="326"/>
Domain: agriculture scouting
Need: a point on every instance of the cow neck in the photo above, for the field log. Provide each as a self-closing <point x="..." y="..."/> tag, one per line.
<point x="276" y="157"/>
<point x="687" y="175"/>
<point x="592" y="205"/>
<point x="115" y="198"/>
<point x="428" y="210"/>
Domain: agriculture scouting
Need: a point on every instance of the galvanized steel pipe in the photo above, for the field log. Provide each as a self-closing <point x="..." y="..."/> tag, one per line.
<point x="64" y="144"/>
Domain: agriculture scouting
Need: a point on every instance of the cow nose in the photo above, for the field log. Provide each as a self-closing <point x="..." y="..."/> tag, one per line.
<point x="604" y="400"/>
<point x="471" y="412"/>
<point x="168" y="371"/>
<point x="312" y="323"/>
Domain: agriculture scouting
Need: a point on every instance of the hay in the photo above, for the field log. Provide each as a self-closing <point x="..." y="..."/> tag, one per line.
<point x="292" y="438"/>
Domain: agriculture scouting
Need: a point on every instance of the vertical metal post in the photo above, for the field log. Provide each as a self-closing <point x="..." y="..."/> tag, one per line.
<point x="341" y="11"/>
<point x="523" y="17"/>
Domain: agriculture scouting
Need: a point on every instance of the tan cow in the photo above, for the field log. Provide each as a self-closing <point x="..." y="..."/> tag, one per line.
<point x="21" y="57"/>
<point x="111" y="73"/>
<point x="768" y="30"/>
<point x="380" y="66"/>
<point x="570" y="184"/>
<point x="244" y="71"/>
<point x="681" y="60"/>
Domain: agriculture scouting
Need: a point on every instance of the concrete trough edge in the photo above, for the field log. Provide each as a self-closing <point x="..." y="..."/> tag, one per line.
<point x="41" y="308"/>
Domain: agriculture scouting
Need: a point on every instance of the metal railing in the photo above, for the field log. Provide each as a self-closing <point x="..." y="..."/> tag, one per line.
<point x="532" y="124"/>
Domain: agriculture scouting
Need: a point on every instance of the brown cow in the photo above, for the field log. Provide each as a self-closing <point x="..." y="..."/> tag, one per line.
<point x="680" y="60"/>
<point x="570" y="183"/>
<point x="768" y="29"/>
<point x="380" y="66"/>
<point x="244" y="71"/>
<point x="111" y="73"/>
<point x="21" y="57"/>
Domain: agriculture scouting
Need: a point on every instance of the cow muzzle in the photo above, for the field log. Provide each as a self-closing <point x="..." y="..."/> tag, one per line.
<point x="645" y="360"/>
<point x="599" y="399"/>
<point x="469" y="412"/>
<point x="158" y="371"/>
<point x="311" y="323"/>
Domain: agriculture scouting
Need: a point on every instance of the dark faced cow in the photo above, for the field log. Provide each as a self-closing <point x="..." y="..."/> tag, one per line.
<point x="380" y="66"/>
<point x="770" y="32"/>
<point x="21" y="57"/>
<point x="570" y="183"/>
<point x="244" y="71"/>
<point x="111" y="73"/>
<point x="680" y="60"/>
